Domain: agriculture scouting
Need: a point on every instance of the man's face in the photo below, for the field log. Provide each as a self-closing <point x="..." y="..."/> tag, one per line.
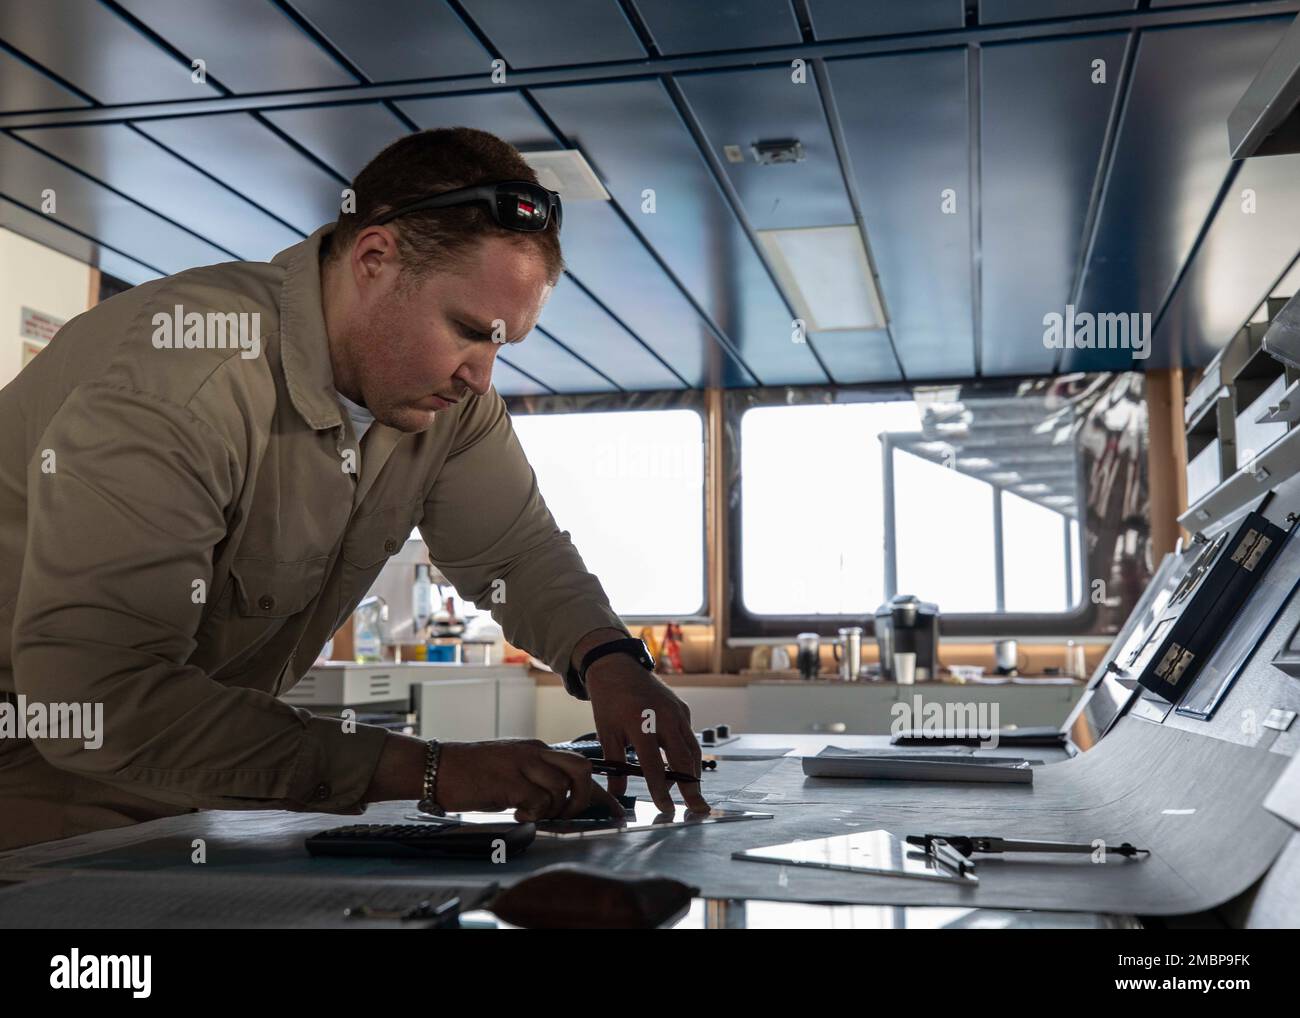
<point x="417" y="345"/>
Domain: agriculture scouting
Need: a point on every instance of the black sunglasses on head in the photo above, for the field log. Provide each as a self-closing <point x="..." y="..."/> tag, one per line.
<point x="514" y="204"/>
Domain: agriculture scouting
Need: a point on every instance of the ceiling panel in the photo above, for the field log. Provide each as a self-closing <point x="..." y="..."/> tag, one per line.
<point x="608" y="259"/>
<point x="509" y="382"/>
<point x="86" y="44"/>
<point x="247" y="45"/>
<point x="635" y="138"/>
<point x="83" y="205"/>
<point x="345" y="138"/>
<point x="45" y="230"/>
<point x="842" y="19"/>
<point x="434" y="41"/>
<point x="739" y="108"/>
<point x="586" y="328"/>
<point x="688" y="26"/>
<point x="550" y="34"/>
<point x="1039" y="153"/>
<point x="549" y="362"/>
<point x="506" y="114"/>
<point x="600" y="250"/>
<point x="993" y="12"/>
<point x="858" y="355"/>
<point x="23" y="87"/>
<point x="1242" y="256"/>
<point x="129" y="162"/>
<point x="1171" y="158"/>
<point x="253" y="160"/>
<point x="906" y="147"/>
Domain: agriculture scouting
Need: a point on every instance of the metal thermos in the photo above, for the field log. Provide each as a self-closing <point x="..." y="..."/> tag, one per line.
<point x="1076" y="661"/>
<point x="850" y="657"/>
<point x="810" y="655"/>
<point x="1006" y="654"/>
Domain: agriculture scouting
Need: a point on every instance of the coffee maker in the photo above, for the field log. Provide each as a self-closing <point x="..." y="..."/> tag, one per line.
<point x="907" y="625"/>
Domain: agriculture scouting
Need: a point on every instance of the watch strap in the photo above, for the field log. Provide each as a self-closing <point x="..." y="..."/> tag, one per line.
<point x="630" y="645"/>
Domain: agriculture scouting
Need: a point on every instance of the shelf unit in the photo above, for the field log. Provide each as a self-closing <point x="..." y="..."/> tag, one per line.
<point x="1246" y="403"/>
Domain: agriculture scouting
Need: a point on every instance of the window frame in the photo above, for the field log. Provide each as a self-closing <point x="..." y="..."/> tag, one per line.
<point x="630" y="402"/>
<point x="745" y="625"/>
<point x="996" y="491"/>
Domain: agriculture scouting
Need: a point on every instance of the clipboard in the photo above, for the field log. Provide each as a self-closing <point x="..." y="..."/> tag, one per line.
<point x="878" y="853"/>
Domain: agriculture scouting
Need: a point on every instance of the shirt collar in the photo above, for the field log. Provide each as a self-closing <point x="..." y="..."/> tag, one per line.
<point x="304" y="343"/>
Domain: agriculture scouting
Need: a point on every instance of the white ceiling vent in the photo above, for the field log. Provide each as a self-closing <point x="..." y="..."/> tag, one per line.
<point x="568" y="173"/>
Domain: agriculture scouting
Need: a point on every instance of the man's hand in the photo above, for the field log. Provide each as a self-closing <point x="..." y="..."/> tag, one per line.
<point x="538" y="782"/>
<point x="633" y="706"/>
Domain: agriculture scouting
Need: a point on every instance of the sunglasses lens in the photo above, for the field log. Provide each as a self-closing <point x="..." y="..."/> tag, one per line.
<point x="524" y="207"/>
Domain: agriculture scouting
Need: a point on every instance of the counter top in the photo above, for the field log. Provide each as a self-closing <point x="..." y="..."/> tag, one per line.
<point x="743" y="679"/>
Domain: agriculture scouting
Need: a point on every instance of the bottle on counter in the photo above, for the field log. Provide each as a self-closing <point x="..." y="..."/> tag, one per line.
<point x="421" y="602"/>
<point x="368" y="630"/>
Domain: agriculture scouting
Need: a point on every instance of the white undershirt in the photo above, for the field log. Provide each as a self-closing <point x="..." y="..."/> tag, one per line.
<point x="361" y="417"/>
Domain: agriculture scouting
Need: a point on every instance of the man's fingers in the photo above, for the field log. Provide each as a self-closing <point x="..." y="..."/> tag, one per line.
<point x="554" y="781"/>
<point x="578" y="770"/>
<point x="678" y="746"/>
<point x="533" y="805"/>
<point x="652" y="766"/>
<point x="692" y="745"/>
<point x="614" y="748"/>
<point x="601" y="797"/>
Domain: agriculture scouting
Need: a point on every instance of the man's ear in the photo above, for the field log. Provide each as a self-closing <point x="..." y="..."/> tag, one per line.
<point x="374" y="253"/>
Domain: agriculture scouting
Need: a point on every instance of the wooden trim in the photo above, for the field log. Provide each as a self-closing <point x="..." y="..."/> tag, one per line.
<point x="1166" y="458"/>
<point x="92" y="297"/>
<point x="715" y="540"/>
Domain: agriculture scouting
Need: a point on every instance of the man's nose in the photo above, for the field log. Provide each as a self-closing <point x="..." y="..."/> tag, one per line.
<point x="477" y="374"/>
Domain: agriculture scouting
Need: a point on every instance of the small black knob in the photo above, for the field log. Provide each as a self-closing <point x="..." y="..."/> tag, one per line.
<point x="724" y="731"/>
<point x="707" y="737"/>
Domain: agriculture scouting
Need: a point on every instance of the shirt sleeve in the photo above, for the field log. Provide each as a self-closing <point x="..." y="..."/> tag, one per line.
<point x="489" y="531"/>
<point x="128" y="494"/>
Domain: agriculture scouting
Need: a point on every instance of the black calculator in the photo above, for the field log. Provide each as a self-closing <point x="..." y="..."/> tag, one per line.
<point x="489" y="842"/>
<point x="589" y="748"/>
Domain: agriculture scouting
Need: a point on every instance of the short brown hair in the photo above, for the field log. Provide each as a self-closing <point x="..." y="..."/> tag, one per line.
<point x="427" y="163"/>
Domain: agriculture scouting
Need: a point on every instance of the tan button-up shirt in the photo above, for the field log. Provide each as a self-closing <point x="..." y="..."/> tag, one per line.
<point x="180" y="533"/>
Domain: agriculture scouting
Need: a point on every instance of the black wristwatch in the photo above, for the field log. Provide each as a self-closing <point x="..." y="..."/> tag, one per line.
<point x="631" y="646"/>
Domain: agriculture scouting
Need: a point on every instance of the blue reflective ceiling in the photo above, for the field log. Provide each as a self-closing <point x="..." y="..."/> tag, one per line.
<point x="1169" y="165"/>
<point x="906" y="121"/>
<point x="995" y="175"/>
<point x="1037" y="183"/>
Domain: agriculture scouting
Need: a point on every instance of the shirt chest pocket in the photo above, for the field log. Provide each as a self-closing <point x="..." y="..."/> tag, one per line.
<point x="370" y="541"/>
<point x="267" y="595"/>
<point x="373" y="539"/>
<point x="265" y="589"/>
